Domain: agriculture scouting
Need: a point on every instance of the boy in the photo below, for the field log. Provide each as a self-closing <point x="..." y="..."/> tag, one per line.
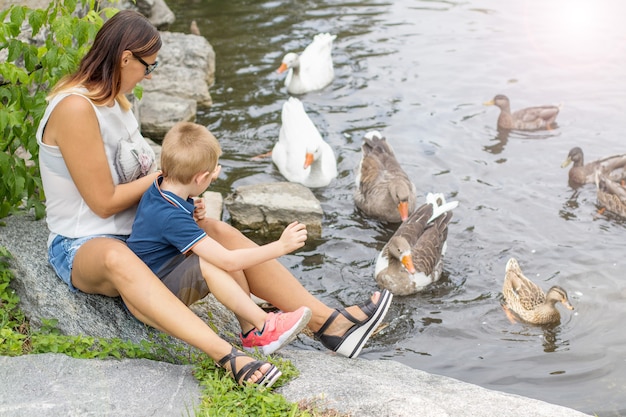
<point x="167" y="238"/>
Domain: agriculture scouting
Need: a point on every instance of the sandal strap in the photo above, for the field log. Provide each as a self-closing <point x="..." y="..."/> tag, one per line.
<point x="245" y="372"/>
<point x="367" y="307"/>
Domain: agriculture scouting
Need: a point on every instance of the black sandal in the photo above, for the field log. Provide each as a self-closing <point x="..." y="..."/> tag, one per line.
<point x="242" y="375"/>
<point x="351" y="343"/>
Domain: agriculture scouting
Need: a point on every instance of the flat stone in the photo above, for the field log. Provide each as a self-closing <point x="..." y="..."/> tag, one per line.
<point x="268" y="208"/>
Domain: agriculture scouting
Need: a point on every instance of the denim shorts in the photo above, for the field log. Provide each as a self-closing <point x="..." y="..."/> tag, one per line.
<point x="62" y="250"/>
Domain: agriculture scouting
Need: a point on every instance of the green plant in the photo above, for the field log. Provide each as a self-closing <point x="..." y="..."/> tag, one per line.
<point x="26" y="75"/>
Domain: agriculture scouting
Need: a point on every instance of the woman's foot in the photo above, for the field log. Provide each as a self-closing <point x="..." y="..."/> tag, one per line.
<point x="347" y="330"/>
<point x="248" y="370"/>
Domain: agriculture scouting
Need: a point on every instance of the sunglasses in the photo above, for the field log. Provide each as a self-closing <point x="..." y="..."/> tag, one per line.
<point x="149" y="67"/>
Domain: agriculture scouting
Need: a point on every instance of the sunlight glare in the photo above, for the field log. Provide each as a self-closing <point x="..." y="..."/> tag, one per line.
<point x="576" y="31"/>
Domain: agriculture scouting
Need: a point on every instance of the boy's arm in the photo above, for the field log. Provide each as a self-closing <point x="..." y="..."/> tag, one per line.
<point x="293" y="238"/>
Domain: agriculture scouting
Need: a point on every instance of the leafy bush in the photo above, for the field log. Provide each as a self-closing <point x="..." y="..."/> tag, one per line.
<point x="37" y="48"/>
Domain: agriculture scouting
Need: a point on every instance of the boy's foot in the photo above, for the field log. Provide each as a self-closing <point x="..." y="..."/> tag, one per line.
<point x="280" y="329"/>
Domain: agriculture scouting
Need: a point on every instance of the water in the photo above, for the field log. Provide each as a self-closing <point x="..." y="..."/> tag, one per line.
<point x="419" y="71"/>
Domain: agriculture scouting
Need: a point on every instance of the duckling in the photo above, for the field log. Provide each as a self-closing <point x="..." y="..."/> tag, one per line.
<point x="413" y="258"/>
<point x="581" y="173"/>
<point x="312" y="69"/>
<point x="531" y="118"/>
<point x="528" y="301"/>
<point x="611" y="194"/>
<point x="383" y="189"/>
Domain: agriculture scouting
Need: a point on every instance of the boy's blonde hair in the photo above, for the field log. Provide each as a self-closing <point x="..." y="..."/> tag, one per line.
<point x="188" y="149"/>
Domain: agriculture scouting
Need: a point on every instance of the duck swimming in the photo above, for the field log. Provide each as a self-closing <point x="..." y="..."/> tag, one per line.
<point x="413" y="258"/>
<point x="531" y="118"/>
<point x="383" y="189"/>
<point x="301" y="155"/>
<point x="581" y="173"/>
<point x="611" y="194"/>
<point x="527" y="301"/>
<point x="312" y="69"/>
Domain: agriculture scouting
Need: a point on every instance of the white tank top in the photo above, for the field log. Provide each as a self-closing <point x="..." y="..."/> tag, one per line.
<point x="129" y="155"/>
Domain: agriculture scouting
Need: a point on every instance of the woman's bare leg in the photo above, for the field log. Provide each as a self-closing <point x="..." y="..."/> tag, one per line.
<point x="108" y="267"/>
<point x="273" y="282"/>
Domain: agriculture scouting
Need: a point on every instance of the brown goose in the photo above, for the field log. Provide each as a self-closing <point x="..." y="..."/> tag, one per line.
<point x="383" y="189"/>
<point x="413" y="257"/>
<point x="581" y="173"/>
<point x="531" y="118"/>
<point x="611" y="195"/>
<point x="528" y="301"/>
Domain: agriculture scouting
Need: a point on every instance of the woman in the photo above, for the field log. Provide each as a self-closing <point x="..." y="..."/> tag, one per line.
<point x="95" y="166"/>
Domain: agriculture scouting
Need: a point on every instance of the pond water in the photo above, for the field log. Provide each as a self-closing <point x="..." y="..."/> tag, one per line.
<point x="419" y="71"/>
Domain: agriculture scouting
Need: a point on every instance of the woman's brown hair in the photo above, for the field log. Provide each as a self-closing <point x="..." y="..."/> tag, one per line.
<point x="100" y="70"/>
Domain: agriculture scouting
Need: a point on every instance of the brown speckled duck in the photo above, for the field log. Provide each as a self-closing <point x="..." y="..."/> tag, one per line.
<point x="413" y="257"/>
<point x="528" y="301"/>
<point x="581" y="173"/>
<point x="531" y="118"/>
<point x="611" y="195"/>
<point x="383" y="189"/>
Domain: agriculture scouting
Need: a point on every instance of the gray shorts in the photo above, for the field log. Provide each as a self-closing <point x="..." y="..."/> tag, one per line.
<point x="183" y="277"/>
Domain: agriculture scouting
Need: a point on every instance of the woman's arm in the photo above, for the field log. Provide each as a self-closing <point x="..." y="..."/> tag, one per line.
<point x="74" y="128"/>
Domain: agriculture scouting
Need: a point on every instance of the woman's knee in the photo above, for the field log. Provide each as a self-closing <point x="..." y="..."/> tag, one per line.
<point x="117" y="257"/>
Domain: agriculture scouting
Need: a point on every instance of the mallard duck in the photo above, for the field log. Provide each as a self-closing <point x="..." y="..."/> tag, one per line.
<point x="301" y="154"/>
<point x="527" y="300"/>
<point x="312" y="69"/>
<point x="383" y="190"/>
<point x="581" y="173"/>
<point x="611" y="194"/>
<point x="531" y="118"/>
<point x="413" y="258"/>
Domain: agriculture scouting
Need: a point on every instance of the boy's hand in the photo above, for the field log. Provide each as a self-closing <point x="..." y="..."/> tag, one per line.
<point x="199" y="211"/>
<point x="293" y="236"/>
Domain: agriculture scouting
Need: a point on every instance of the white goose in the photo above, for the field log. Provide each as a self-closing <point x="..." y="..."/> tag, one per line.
<point x="413" y="257"/>
<point x="301" y="154"/>
<point x="383" y="189"/>
<point x="312" y="69"/>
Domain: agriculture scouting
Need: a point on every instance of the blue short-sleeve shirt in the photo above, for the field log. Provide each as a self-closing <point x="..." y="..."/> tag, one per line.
<point x="164" y="227"/>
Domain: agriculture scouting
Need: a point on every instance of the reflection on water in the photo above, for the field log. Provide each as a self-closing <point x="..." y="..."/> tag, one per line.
<point x="419" y="71"/>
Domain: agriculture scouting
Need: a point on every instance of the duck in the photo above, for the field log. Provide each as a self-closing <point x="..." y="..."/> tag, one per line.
<point x="581" y="173"/>
<point x="412" y="259"/>
<point x="312" y="69"/>
<point x="611" y="194"/>
<point x="383" y="189"/>
<point x="527" y="301"/>
<point x="531" y="118"/>
<point x="301" y="154"/>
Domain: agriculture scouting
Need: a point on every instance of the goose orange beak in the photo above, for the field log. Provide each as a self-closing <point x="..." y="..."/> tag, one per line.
<point x="308" y="160"/>
<point x="408" y="263"/>
<point x="282" y="68"/>
<point x="403" y="208"/>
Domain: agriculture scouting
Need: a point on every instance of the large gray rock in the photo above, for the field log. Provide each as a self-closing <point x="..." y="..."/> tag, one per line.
<point x="268" y="208"/>
<point x="54" y="385"/>
<point x="180" y="84"/>
<point x="158" y="112"/>
<point x="57" y="385"/>
<point x="43" y="295"/>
